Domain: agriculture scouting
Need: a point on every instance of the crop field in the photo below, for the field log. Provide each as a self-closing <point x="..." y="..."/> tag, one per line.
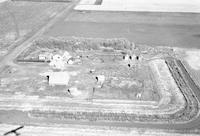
<point x="19" y="19"/>
<point x="172" y="29"/>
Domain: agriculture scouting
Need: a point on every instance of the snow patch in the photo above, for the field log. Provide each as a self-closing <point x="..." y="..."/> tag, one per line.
<point x="142" y="5"/>
<point x="193" y="59"/>
<point x="2" y="1"/>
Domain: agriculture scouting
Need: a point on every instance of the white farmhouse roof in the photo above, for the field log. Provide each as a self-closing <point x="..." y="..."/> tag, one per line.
<point x="57" y="57"/>
<point x="42" y="57"/>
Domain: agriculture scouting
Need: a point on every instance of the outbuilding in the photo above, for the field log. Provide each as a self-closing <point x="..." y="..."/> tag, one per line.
<point x="57" y="78"/>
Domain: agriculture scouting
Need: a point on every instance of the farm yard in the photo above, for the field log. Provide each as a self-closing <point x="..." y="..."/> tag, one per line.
<point x="92" y="57"/>
<point x="85" y="75"/>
